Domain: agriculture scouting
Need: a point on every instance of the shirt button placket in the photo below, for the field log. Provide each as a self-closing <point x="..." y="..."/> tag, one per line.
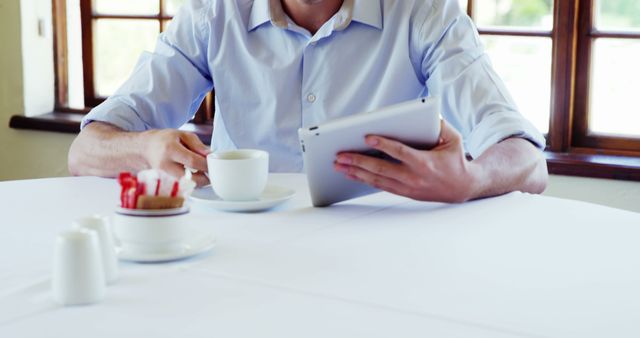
<point x="309" y="96"/>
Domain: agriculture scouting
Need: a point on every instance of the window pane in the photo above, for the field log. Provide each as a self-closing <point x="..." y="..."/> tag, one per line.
<point x="171" y="6"/>
<point x="463" y="5"/>
<point x="514" y="13"/>
<point x="524" y="63"/>
<point x="75" y="75"/>
<point x="117" y="47"/>
<point x="127" y="7"/>
<point x="618" y="14"/>
<point x="614" y="87"/>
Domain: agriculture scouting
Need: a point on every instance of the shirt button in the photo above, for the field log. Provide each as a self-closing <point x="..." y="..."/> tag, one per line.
<point x="313" y="43"/>
<point x="311" y="98"/>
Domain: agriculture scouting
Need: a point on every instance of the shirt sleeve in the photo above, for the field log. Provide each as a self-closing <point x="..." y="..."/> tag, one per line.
<point x="453" y="65"/>
<point x="167" y="86"/>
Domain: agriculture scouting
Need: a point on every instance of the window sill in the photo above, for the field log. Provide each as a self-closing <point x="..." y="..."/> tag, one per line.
<point x="70" y="123"/>
<point x="571" y="164"/>
<point x="594" y="165"/>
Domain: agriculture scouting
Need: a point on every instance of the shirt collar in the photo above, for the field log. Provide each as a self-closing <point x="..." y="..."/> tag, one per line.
<point x="267" y="10"/>
<point x="363" y="11"/>
<point x="368" y="12"/>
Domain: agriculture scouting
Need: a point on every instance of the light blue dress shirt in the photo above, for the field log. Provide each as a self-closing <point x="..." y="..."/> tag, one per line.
<point x="272" y="76"/>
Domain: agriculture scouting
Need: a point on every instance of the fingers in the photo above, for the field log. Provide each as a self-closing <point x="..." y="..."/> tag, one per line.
<point x="371" y="164"/>
<point x="448" y="134"/>
<point x="201" y="179"/>
<point x="381" y="182"/>
<point x="189" y="158"/>
<point x="174" y="169"/>
<point x="172" y="151"/>
<point x="393" y="148"/>
<point x="193" y="143"/>
<point x="177" y="171"/>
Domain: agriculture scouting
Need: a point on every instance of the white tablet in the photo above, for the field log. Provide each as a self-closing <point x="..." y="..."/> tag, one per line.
<point x="415" y="123"/>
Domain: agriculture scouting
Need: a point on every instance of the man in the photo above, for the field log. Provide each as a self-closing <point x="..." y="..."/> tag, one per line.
<point x="278" y="65"/>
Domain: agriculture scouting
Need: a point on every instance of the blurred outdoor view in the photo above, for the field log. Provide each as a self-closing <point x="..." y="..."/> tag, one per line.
<point x="618" y="15"/>
<point x="118" y="43"/>
<point x="524" y="63"/>
<point x="614" y="89"/>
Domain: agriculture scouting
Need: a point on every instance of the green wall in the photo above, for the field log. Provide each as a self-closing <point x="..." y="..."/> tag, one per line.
<point x="23" y="154"/>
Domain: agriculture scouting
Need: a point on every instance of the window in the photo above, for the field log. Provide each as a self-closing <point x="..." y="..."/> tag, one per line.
<point x="518" y="37"/>
<point x="570" y="65"/>
<point x="607" y="71"/>
<point x="112" y="35"/>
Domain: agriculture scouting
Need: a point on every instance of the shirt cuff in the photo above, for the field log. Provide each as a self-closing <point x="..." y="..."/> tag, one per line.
<point x="498" y="127"/>
<point x="116" y="113"/>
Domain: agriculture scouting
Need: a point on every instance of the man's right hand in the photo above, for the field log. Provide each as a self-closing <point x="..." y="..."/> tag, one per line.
<point x="102" y="149"/>
<point x="173" y="150"/>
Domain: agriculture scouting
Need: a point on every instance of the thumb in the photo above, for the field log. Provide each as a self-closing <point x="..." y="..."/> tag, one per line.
<point x="448" y="134"/>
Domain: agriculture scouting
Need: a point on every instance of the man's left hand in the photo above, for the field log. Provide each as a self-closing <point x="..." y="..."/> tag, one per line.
<point x="441" y="174"/>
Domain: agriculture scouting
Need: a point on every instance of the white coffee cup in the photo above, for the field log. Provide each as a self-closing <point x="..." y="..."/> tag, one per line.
<point x="239" y="175"/>
<point x="152" y="231"/>
<point x="100" y="224"/>
<point x="78" y="275"/>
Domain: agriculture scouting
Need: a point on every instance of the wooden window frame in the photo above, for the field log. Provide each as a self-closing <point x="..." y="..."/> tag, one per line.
<point x="582" y="137"/>
<point x="204" y="115"/>
<point x="60" y="61"/>
<point x="88" y="18"/>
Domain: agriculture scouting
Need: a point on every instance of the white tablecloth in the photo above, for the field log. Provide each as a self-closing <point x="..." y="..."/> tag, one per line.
<point x="379" y="266"/>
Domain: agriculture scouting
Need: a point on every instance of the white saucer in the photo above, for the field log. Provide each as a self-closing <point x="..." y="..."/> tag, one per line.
<point x="194" y="246"/>
<point x="152" y="212"/>
<point x="271" y="196"/>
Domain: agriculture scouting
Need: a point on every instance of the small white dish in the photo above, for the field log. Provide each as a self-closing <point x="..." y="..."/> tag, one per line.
<point x="272" y="196"/>
<point x="162" y="230"/>
<point x="197" y="244"/>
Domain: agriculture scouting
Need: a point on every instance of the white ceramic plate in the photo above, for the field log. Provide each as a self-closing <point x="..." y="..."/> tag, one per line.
<point x="271" y="196"/>
<point x="198" y="244"/>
